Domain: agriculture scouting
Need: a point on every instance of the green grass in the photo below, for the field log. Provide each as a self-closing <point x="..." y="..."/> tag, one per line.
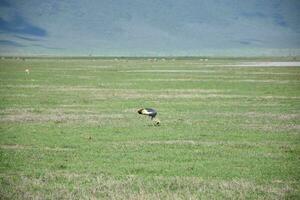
<point x="70" y="130"/>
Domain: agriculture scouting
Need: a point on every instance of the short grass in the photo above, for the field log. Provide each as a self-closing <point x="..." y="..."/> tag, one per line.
<point x="70" y="130"/>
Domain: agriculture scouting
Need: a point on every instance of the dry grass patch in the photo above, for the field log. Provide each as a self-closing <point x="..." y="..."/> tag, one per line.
<point x="274" y="128"/>
<point x="23" y="147"/>
<point x="280" y="116"/>
<point x="217" y="78"/>
<point x="263" y="81"/>
<point x="56" y="115"/>
<point x="59" y="118"/>
<point x="267" y="64"/>
<point x="232" y="144"/>
<point x="96" y="186"/>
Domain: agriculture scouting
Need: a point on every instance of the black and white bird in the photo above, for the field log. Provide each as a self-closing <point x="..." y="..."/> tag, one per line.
<point x="151" y="113"/>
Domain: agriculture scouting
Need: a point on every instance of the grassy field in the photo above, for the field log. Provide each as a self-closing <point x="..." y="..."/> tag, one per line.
<point x="69" y="129"/>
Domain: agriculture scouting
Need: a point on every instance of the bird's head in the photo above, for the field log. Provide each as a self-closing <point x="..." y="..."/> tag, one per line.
<point x="140" y="111"/>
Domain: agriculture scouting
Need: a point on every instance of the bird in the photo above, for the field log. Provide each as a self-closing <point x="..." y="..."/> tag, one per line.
<point x="151" y="113"/>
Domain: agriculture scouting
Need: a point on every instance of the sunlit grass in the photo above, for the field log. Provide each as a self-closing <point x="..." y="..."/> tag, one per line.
<point x="69" y="129"/>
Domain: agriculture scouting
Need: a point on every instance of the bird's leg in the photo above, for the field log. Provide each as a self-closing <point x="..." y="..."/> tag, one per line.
<point x="156" y="121"/>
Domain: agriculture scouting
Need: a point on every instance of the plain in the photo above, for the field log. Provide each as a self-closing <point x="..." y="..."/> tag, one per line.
<point x="69" y="128"/>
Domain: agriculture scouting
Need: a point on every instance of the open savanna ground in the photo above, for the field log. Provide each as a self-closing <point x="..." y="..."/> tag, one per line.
<point x="69" y="129"/>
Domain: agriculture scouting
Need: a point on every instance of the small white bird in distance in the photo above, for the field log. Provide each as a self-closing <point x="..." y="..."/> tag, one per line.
<point x="27" y="71"/>
<point x="151" y="113"/>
